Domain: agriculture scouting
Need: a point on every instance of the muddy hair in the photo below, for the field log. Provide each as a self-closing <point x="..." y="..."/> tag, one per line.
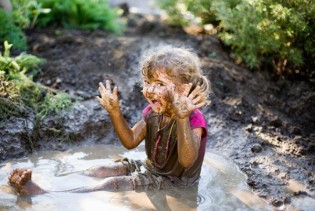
<point x="179" y="63"/>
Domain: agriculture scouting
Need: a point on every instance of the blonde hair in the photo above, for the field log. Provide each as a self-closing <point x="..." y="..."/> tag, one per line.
<point x="180" y="63"/>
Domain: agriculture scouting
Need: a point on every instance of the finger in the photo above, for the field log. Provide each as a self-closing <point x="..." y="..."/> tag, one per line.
<point x="187" y="89"/>
<point x="108" y="88"/>
<point x="102" y="92"/>
<point x="200" y="105"/>
<point x="195" y="92"/>
<point x="115" y="91"/>
<point x="101" y="87"/>
<point x="198" y="99"/>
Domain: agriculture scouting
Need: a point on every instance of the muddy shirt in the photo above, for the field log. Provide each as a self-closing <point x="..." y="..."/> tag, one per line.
<point x="168" y="163"/>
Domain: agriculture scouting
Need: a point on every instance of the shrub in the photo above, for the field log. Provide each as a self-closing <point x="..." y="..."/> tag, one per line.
<point x="19" y="93"/>
<point x="260" y="31"/>
<point x="84" y="14"/>
<point x="54" y="103"/>
<point x="26" y="12"/>
<point x="280" y="32"/>
<point x="181" y="12"/>
<point x="10" y="101"/>
<point x="10" y="32"/>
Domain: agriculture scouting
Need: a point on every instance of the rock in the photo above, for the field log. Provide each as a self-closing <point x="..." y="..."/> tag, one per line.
<point x="82" y="122"/>
<point x="256" y="148"/>
<point x="277" y="202"/>
<point x="249" y="128"/>
<point x="255" y="119"/>
<point x="16" y="137"/>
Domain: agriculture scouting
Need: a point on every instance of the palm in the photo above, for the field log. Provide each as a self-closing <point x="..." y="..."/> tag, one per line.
<point x="188" y="101"/>
<point x="109" y="99"/>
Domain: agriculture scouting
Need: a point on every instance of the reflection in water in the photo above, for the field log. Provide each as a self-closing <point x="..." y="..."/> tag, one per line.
<point x="222" y="186"/>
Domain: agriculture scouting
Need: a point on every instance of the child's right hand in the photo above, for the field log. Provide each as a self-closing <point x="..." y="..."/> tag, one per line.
<point x="109" y="100"/>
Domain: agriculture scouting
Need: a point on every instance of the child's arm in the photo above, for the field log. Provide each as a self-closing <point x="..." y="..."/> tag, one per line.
<point x="188" y="142"/>
<point x="188" y="138"/>
<point x="129" y="137"/>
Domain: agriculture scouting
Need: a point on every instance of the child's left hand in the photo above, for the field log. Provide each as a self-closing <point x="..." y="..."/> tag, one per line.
<point x="185" y="103"/>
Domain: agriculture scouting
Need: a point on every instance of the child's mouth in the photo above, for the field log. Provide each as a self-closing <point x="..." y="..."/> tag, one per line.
<point x="155" y="102"/>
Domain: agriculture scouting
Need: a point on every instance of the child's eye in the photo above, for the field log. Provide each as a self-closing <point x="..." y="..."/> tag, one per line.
<point x="146" y="82"/>
<point x="160" y="84"/>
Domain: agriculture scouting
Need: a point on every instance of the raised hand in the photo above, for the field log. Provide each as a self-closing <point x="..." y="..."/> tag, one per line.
<point x="188" y="101"/>
<point x="109" y="100"/>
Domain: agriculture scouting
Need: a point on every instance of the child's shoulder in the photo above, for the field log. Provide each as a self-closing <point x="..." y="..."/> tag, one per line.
<point x="196" y="114"/>
<point x="197" y="119"/>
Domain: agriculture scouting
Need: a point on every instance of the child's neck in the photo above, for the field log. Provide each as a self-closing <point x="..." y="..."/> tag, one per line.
<point x="167" y="117"/>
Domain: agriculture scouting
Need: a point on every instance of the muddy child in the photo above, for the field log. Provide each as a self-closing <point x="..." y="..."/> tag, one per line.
<point x="173" y="128"/>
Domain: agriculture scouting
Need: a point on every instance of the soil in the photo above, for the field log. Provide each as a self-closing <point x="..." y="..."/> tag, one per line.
<point x="264" y="123"/>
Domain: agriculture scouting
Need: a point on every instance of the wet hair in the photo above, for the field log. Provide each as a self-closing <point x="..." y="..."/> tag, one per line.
<point x="178" y="63"/>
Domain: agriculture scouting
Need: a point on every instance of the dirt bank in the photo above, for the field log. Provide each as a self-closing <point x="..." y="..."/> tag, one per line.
<point x="262" y="122"/>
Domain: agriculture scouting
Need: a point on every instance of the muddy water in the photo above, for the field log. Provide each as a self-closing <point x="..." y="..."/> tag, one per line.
<point x="222" y="185"/>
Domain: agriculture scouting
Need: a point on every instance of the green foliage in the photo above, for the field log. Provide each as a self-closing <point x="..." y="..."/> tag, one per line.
<point x="182" y="12"/>
<point x="26" y="12"/>
<point x="202" y="9"/>
<point x="259" y="31"/>
<point x="10" y="32"/>
<point x="176" y="11"/>
<point x="10" y="102"/>
<point x="268" y="30"/>
<point x="54" y="103"/>
<point x="19" y="93"/>
<point x="22" y="63"/>
<point x="84" y="14"/>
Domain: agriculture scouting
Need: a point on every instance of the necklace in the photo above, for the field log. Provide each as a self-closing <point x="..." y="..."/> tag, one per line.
<point x="158" y="141"/>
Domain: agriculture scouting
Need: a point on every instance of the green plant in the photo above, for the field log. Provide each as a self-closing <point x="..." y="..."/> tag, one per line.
<point x="10" y="32"/>
<point x="259" y="32"/>
<point x="19" y="93"/>
<point x="23" y="63"/>
<point x="10" y="101"/>
<point x="175" y="10"/>
<point x="84" y="14"/>
<point x="182" y="12"/>
<point x="26" y="12"/>
<point x="54" y="103"/>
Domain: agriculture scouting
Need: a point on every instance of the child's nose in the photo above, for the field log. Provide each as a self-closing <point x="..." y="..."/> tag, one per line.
<point x="151" y="88"/>
<point x="150" y="95"/>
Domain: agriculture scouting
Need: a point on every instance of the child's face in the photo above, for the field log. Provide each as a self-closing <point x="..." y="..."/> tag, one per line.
<point x="156" y="90"/>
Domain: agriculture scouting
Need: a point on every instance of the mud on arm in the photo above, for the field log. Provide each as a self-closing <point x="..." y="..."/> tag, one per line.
<point x="188" y="139"/>
<point x="188" y="142"/>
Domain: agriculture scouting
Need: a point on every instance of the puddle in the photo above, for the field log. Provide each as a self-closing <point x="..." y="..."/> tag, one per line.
<point x="222" y="185"/>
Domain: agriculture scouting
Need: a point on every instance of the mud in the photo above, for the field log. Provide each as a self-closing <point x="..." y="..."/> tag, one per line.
<point x="264" y="123"/>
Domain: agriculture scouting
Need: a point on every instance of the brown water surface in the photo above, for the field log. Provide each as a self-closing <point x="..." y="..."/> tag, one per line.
<point x="222" y="185"/>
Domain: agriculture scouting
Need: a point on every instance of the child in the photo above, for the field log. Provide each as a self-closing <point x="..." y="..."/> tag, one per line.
<point x="174" y="130"/>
